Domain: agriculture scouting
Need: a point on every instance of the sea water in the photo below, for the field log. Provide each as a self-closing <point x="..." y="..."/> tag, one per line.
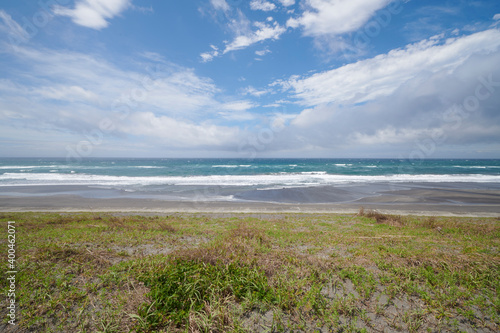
<point x="184" y="178"/>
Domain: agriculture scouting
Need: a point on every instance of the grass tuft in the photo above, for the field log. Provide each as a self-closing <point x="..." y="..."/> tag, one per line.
<point x="187" y="289"/>
<point x="380" y="218"/>
<point x="97" y="272"/>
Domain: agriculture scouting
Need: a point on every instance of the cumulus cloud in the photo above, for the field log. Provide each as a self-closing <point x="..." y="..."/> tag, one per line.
<point x="287" y="3"/>
<point x="335" y="17"/>
<point x="59" y="91"/>
<point x="93" y="13"/>
<point x="434" y="109"/>
<point x="380" y="76"/>
<point x="209" y="56"/>
<point x="261" y="53"/>
<point x="262" y="5"/>
<point x="179" y="133"/>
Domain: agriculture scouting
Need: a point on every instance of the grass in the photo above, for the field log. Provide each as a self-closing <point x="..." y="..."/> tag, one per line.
<point x="184" y="287"/>
<point x="97" y="272"/>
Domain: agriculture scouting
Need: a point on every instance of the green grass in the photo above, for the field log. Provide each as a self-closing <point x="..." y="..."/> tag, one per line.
<point x="185" y="286"/>
<point x="98" y="272"/>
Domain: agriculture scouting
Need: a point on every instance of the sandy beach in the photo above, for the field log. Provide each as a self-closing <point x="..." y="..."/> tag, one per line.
<point x="403" y="199"/>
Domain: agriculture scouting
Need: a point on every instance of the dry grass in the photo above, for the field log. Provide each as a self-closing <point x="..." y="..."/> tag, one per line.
<point x="393" y="220"/>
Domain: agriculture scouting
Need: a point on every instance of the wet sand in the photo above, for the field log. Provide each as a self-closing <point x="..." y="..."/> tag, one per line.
<point x="403" y="199"/>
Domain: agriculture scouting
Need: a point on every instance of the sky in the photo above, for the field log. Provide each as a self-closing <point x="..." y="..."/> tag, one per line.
<point x="250" y="79"/>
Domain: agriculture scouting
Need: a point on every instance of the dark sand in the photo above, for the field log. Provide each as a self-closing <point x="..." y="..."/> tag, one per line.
<point x="404" y="199"/>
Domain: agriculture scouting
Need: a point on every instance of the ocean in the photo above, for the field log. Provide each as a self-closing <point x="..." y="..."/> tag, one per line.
<point x="238" y="179"/>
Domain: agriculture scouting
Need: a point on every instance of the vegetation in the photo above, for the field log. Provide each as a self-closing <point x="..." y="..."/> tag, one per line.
<point x="99" y="272"/>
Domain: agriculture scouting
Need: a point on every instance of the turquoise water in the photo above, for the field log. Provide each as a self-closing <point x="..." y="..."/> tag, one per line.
<point x="241" y="172"/>
<point x="266" y="180"/>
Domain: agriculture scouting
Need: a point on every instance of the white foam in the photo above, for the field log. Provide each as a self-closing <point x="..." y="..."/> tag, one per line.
<point x="281" y="179"/>
<point x="476" y="166"/>
<point x="146" y="167"/>
<point x="313" y="173"/>
<point x="7" y="167"/>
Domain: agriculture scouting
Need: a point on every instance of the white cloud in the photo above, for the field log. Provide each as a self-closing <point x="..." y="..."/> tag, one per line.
<point x="287" y="3"/>
<point x="496" y="17"/>
<point x="264" y="32"/>
<point x="179" y="133"/>
<point x="382" y="75"/>
<point x="220" y="5"/>
<point x="239" y="24"/>
<point x="262" y="52"/>
<point x="262" y="5"/>
<point x="11" y="28"/>
<point x="236" y="110"/>
<point x="144" y="10"/>
<point x="336" y="17"/>
<point x="237" y="106"/>
<point x="153" y="56"/>
<point x="255" y="92"/>
<point x="209" y="56"/>
<point x="69" y="92"/>
<point x="93" y="13"/>
<point x="272" y="105"/>
<point x="429" y="114"/>
<point x="247" y="33"/>
<point x="389" y="135"/>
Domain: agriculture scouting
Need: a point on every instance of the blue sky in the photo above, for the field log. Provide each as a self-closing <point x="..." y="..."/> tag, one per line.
<point x="233" y="78"/>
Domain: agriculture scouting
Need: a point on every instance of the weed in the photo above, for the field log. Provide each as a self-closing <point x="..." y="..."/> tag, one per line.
<point x="430" y="222"/>
<point x="362" y="279"/>
<point x="185" y="287"/>
<point x="286" y="272"/>
<point x="413" y="320"/>
<point x="382" y="218"/>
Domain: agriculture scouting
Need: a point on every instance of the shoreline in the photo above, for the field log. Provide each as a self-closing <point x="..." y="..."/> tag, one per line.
<point x="128" y="205"/>
<point x="444" y="199"/>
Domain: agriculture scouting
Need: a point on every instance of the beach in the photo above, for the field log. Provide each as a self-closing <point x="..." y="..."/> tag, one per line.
<point x="255" y="166"/>
<point x="418" y="199"/>
<point x="239" y="246"/>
